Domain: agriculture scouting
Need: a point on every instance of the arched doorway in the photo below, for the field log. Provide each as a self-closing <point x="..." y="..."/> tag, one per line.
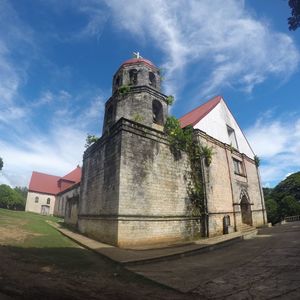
<point x="246" y="211"/>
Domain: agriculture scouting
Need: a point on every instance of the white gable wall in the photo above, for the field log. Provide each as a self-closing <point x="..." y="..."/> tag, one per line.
<point x="215" y="124"/>
<point x="36" y="207"/>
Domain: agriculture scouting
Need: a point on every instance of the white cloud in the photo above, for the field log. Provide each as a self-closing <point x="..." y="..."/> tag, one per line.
<point x="277" y="143"/>
<point x="56" y="151"/>
<point x="233" y="47"/>
<point x="15" y="40"/>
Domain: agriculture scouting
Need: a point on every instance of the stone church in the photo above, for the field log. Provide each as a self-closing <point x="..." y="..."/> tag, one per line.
<point x="134" y="190"/>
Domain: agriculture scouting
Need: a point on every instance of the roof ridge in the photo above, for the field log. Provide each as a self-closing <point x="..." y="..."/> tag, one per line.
<point x="195" y="115"/>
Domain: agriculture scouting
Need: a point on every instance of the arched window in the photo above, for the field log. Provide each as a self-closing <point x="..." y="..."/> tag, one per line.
<point x="157" y="111"/>
<point x="118" y="81"/>
<point x="152" y="79"/>
<point x="48" y="200"/>
<point x="36" y="199"/>
<point x="133" y="76"/>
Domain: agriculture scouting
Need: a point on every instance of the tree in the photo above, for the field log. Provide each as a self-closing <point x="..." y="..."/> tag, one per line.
<point x="289" y="206"/>
<point x="10" y="198"/>
<point x="290" y="186"/>
<point x="294" y="20"/>
<point x="272" y="211"/>
<point x="1" y="163"/>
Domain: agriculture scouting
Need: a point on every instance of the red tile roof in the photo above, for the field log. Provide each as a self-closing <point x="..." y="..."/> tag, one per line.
<point x="43" y="183"/>
<point x="74" y="175"/>
<point x="194" y="116"/>
<point x="139" y="60"/>
<point x="50" y="184"/>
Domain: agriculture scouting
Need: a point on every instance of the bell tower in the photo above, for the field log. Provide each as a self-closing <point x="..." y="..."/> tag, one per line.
<point x="136" y="95"/>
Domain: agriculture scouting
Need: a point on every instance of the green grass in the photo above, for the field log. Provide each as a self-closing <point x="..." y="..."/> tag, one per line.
<point x="43" y="235"/>
<point x="44" y="244"/>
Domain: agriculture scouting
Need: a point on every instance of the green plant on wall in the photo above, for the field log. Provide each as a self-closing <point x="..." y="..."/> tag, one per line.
<point x="137" y="118"/>
<point x="170" y="100"/>
<point x="183" y="139"/>
<point x="124" y="89"/>
<point x="162" y="72"/>
<point x="256" y="160"/>
<point x="207" y="153"/>
<point x="179" y="138"/>
<point x="90" y="139"/>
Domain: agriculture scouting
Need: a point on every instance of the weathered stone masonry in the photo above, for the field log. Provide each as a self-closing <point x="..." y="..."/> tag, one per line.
<point x="142" y="199"/>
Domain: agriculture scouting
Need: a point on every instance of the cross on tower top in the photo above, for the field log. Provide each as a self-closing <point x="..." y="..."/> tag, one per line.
<point x="137" y="55"/>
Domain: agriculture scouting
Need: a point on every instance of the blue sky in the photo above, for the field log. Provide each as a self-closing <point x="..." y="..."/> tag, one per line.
<point x="57" y="59"/>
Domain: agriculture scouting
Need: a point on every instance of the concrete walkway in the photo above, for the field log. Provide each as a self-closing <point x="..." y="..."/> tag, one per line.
<point x="265" y="267"/>
<point x="142" y="256"/>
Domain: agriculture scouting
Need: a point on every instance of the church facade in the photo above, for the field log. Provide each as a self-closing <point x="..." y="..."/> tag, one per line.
<point x="135" y="190"/>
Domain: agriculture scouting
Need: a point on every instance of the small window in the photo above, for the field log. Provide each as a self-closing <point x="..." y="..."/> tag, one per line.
<point x="232" y="137"/>
<point x="133" y="77"/>
<point x="48" y="200"/>
<point x="36" y="199"/>
<point x="152" y="79"/>
<point x="238" y="167"/>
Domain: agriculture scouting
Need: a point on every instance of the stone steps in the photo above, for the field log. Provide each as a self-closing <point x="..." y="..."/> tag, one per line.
<point x="248" y="231"/>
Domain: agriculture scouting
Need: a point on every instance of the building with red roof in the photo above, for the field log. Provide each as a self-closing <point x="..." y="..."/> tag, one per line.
<point x="44" y="189"/>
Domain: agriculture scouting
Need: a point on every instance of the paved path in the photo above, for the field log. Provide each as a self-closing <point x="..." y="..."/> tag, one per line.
<point x="138" y="256"/>
<point x="265" y="267"/>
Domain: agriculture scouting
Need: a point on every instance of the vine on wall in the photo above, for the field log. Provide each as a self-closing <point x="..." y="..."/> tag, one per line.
<point x="183" y="139"/>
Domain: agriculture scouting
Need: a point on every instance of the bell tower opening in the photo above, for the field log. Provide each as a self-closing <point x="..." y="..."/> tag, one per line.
<point x="133" y="78"/>
<point x="157" y="111"/>
<point x="152" y="79"/>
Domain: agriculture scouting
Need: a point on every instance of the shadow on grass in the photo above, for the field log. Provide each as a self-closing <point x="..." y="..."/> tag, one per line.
<point x="69" y="273"/>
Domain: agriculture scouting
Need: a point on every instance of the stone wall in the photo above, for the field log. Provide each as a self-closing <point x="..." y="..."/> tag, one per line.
<point x="99" y="195"/>
<point x="224" y="187"/>
<point x="153" y="190"/>
<point x="134" y="189"/>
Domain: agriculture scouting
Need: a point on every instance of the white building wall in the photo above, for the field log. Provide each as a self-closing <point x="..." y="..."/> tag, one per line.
<point x="36" y="207"/>
<point x="214" y="124"/>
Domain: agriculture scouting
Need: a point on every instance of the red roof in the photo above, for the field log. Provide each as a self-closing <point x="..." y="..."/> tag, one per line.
<point x="44" y="183"/>
<point x="194" y="116"/>
<point x="50" y="184"/>
<point x="74" y="175"/>
<point x="139" y="60"/>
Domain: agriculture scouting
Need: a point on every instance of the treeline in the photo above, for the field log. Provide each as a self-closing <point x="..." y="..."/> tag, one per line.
<point x="283" y="200"/>
<point x="13" y="198"/>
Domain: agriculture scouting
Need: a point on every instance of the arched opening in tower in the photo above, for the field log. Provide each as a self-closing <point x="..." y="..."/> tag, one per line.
<point x="152" y="79"/>
<point x="133" y="77"/>
<point x="157" y="111"/>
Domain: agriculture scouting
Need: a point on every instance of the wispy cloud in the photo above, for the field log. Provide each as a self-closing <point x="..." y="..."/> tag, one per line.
<point x="277" y="142"/>
<point x="58" y="148"/>
<point x="15" y="40"/>
<point x="234" y="48"/>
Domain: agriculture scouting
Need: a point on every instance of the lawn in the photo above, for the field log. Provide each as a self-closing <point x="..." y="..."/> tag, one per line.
<point x="37" y="262"/>
<point x="42" y="242"/>
<point x="32" y="230"/>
